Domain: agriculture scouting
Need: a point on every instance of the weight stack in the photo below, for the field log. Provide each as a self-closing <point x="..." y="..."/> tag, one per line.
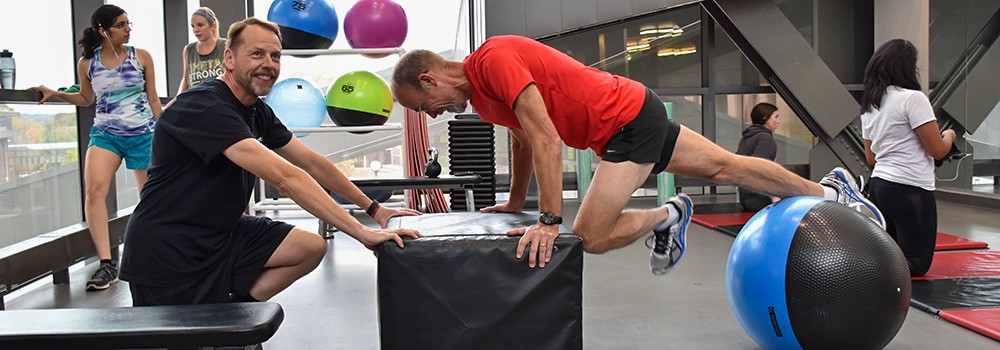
<point x="471" y="146"/>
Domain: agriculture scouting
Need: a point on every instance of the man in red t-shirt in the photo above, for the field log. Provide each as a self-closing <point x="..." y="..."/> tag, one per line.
<point x="547" y="98"/>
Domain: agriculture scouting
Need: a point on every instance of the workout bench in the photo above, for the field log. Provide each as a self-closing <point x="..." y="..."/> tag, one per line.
<point x="210" y="326"/>
<point x="53" y="253"/>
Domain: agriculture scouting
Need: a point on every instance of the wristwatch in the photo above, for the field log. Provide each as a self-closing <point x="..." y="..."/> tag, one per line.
<point x="550" y="219"/>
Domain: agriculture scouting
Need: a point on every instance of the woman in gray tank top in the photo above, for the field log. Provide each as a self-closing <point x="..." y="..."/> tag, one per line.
<point x="203" y="58"/>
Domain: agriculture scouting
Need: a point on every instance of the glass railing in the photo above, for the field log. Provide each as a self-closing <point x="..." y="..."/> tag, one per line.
<point x="40" y="183"/>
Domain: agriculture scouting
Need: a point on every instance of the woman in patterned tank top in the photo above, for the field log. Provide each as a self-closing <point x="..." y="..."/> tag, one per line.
<point x="119" y="81"/>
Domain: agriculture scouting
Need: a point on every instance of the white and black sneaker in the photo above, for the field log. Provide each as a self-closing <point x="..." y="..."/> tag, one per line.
<point x="849" y="194"/>
<point x="668" y="245"/>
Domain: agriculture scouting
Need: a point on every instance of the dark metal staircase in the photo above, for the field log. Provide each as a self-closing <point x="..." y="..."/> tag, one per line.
<point x="796" y="72"/>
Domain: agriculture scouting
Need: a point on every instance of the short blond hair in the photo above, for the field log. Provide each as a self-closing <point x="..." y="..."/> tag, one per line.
<point x="237" y="28"/>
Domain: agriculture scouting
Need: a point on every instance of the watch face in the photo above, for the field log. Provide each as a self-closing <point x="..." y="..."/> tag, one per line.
<point x="550" y="219"/>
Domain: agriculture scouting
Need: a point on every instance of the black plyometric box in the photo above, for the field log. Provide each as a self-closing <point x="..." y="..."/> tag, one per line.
<point x="461" y="287"/>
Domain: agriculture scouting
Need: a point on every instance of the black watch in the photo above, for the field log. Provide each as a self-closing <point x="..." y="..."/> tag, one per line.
<point x="550" y="219"/>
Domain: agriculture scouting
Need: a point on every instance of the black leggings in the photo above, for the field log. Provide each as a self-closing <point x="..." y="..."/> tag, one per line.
<point x="910" y="218"/>
<point x="753" y="201"/>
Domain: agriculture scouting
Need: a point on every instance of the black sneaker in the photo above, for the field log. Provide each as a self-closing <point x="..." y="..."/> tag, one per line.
<point x="104" y="277"/>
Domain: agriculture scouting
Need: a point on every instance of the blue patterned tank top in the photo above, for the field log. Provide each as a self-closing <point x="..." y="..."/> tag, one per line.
<point x="120" y="96"/>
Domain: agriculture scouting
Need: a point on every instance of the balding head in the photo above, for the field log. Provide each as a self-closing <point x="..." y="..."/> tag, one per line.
<point x="411" y="65"/>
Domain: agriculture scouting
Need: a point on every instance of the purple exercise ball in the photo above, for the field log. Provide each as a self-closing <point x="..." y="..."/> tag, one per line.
<point x="373" y="24"/>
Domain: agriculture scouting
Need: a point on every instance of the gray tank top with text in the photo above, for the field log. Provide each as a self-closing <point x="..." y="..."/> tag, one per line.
<point x="204" y="67"/>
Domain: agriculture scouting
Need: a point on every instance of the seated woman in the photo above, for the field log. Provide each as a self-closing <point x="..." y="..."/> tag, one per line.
<point x="758" y="141"/>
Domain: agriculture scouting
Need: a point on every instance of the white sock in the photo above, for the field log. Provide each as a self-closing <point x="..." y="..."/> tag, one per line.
<point x="830" y="193"/>
<point x="672" y="217"/>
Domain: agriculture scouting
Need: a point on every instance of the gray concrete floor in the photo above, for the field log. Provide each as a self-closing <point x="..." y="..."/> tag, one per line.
<point x="625" y="307"/>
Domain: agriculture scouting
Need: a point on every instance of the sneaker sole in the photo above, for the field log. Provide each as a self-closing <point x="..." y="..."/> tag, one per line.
<point x="95" y="287"/>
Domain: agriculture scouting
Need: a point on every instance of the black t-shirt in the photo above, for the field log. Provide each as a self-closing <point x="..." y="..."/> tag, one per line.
<point x="194" y="195"/>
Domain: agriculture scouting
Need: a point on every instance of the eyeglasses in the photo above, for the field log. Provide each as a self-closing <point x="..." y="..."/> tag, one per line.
<point x="122" y="25"/>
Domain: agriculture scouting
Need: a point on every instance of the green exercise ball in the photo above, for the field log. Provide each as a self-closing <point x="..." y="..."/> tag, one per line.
<point x="359" y="98"/>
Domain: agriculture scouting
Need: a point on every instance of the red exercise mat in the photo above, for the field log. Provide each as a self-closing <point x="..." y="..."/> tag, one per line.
<point x="982" y="321"/>
<point x="728" y="219"/>
<point x="983" y="263"/>
<point x="951" y="242"/>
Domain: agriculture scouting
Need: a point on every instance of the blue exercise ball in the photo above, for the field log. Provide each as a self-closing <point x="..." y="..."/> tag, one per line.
<point x="808" y="273"/>
<point x="304" y="24"/>
<point x="298" y="104"/>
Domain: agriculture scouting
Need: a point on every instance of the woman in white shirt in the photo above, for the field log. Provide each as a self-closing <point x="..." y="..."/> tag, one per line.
<point x="902" y="141"/>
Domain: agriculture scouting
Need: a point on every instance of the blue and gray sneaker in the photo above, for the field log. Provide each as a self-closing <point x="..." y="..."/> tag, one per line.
<point x="849" y="194"/>
<point x="668" y="246"/>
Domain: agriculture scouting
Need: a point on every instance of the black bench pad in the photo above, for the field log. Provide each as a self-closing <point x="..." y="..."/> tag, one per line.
<point x="148" y="327"/>
<point x="460" y="287"/>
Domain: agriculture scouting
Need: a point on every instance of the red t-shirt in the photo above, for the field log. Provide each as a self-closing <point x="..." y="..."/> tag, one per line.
<point x="586" y="105"/>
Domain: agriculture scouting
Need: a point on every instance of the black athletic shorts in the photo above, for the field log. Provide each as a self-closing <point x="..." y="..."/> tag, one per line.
<point x="649" y="138"/>
<point x="252" y="243"/>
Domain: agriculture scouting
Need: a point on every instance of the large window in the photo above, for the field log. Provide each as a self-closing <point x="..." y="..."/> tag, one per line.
<point x="660" y="51"/>
<point x="794" y="140"/>
<point x="40" y="182"/>
<point x="732" y="69"/>
<point x="966" y="90"/>
<point x="665" y="50"/>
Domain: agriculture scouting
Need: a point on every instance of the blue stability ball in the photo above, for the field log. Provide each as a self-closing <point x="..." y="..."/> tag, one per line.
<point x="807" y="273"/>
<point x="298" y="104"/>
<point x="304" y="24"/>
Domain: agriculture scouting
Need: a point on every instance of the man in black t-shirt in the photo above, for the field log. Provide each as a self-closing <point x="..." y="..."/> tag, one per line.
<point x="188" y="241"/>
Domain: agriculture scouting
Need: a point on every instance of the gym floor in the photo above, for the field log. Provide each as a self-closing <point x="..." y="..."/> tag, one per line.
<point x="625" y="306"/>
